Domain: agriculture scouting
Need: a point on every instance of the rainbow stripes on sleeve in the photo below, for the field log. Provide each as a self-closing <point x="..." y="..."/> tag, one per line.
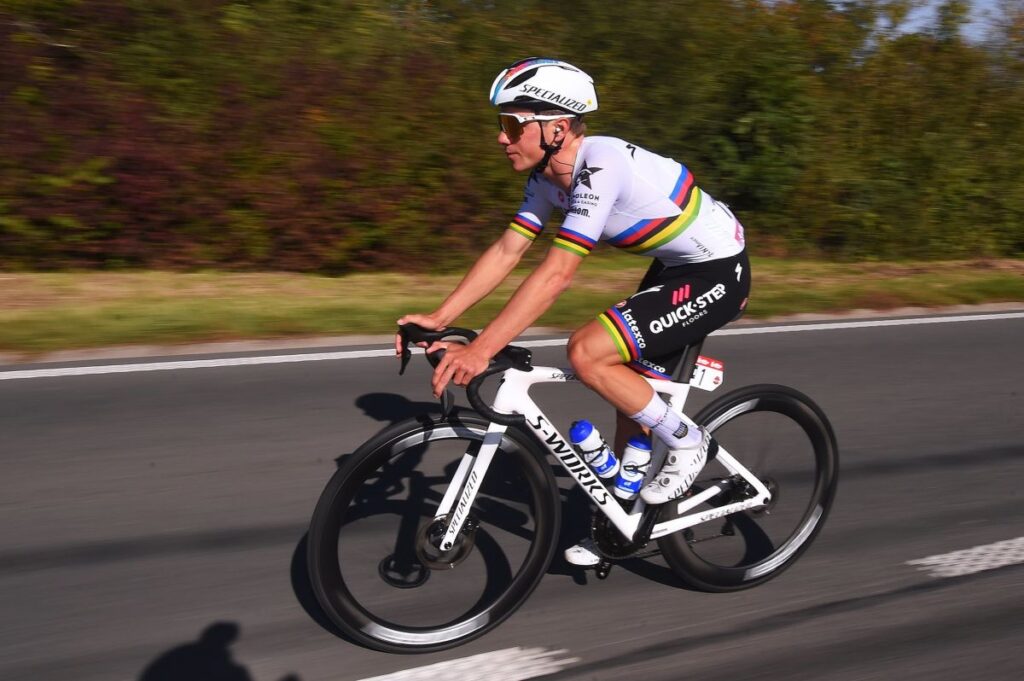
<point x="574" y="242"/>
<point x="648" y="235"/>
<point x="621" y="334"/>
<point x="526" y="226"/>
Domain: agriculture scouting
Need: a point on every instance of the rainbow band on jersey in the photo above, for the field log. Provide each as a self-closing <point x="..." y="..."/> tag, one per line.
<point x="622" y="336"/>
<point x="525" y="226"/>
<point x="648" y="235"/>
<point x="574" y="242"/>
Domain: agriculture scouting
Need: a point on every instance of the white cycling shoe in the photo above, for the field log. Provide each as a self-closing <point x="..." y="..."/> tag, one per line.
<point x="682" y="466"/>
<point x="584" y="554"/>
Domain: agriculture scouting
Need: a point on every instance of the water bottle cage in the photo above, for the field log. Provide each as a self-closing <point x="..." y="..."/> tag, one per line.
<point x="634" y="468"/>
<point x="590" y="454"/>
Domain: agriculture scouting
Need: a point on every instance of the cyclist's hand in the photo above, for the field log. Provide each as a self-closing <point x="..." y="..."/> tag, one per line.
<point x="460" y="364"/>
<point x="424" y="320"/>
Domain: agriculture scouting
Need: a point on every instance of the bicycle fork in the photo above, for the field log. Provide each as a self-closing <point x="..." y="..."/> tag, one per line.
<point x="467" y="479"/>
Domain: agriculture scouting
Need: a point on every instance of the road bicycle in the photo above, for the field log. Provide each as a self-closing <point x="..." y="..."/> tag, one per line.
<point x="439" y="527"/>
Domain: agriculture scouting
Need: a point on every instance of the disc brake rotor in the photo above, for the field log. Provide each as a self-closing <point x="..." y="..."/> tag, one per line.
<point x="428" y="541"/>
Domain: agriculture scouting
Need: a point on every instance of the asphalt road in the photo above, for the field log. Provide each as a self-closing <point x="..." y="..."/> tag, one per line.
<point x="152" y="524"/>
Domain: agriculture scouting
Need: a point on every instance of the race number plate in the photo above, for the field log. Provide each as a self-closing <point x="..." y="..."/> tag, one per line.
<point x="708" y="373"/>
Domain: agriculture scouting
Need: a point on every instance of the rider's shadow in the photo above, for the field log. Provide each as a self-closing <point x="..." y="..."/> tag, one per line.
<point x="389" y="408"/>
<point x="208" y="658"/>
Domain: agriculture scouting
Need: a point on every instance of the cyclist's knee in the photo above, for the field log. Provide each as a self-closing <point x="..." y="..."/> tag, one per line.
<point x="588" y="355"/>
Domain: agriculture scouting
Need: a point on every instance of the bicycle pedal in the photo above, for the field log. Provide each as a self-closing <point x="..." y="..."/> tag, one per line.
<point x="602" y="569"/>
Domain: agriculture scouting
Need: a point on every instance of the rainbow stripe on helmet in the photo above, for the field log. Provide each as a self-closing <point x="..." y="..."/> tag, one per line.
<point x="508" y="74"/>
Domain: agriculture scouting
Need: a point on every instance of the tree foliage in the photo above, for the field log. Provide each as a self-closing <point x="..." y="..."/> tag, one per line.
<point x="332" y="135"/>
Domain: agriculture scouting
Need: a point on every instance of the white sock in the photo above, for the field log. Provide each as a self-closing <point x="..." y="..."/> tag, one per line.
<point x="676" y="432"/>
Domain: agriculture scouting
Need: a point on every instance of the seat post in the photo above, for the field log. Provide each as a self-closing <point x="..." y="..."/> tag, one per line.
<point x="685" y="369"/>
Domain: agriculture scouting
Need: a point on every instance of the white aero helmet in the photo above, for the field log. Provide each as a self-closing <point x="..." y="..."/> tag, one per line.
<point x="541" y="83"/>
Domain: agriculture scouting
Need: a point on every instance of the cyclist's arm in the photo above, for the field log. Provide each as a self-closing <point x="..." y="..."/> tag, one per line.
<point x="591" y="203"/>
<point x="491" y="269"/>
<point x="533" y="298"/>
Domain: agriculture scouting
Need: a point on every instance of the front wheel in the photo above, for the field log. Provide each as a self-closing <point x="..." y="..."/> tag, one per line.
<point x="374" y="558"/>
<point x="786" y="441"/>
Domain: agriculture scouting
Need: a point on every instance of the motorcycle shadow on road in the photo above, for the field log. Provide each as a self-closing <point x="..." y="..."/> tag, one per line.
<point x="208" y="657"/>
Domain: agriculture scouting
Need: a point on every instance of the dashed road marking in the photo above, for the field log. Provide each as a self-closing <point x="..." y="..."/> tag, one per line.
<point x="510" y="664"/>
<point x="93" y="370"/>
<point x="976" y="559"/>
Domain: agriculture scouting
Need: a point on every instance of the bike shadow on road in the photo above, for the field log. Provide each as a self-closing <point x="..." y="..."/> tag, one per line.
<point x="391" y="408"/>
<point x="303" y="590"/>
<point x="208" y="658"/>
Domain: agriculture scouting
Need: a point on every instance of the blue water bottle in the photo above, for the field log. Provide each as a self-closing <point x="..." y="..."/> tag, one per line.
<point x="595" y="451"/>
<point x="636" y="459"/>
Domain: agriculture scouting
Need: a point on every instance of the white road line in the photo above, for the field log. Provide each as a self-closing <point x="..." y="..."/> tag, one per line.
<point x="362" y="354"/>
<point x="868" y="323"/>
<point x="976" y="559"/>
<point x="510" y="664"/>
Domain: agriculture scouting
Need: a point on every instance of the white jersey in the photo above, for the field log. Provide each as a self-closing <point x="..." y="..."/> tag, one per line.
<point x="635" y="200"/>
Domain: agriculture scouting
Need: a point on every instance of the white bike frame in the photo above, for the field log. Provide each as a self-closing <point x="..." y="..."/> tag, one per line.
<point x="513" y="397"/>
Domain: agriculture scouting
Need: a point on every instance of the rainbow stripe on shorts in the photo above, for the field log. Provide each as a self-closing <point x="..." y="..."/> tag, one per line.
<point x="623" y="337"/>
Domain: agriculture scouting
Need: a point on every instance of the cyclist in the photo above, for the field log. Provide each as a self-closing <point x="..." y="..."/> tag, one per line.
<point x="614" y="191"/>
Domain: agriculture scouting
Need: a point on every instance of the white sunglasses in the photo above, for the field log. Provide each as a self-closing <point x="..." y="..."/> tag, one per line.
<point x="512" y="124"/>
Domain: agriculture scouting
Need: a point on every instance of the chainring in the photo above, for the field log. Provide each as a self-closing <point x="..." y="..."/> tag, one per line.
<point x="609" y="540"/>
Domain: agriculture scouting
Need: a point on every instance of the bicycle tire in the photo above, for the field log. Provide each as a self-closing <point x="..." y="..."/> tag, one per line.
<point x="389" y="476"/>
<point x="751" y="556"/>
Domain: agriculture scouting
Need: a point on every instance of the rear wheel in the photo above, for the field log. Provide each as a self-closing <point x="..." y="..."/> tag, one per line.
<point x="785" y="440"/>
<point x="374" y="557"/>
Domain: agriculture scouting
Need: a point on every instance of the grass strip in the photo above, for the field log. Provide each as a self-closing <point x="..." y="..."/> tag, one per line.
<point x="42" y="312"/>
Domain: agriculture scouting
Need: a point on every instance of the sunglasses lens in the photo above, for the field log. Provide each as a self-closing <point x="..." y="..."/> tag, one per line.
<point x="511" y="127"/>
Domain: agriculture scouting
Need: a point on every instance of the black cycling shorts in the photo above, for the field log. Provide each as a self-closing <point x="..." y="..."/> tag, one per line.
<point x="675" y="307"/>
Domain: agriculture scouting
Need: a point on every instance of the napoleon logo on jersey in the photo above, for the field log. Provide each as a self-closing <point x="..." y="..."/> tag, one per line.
<point x="584" y="176"/>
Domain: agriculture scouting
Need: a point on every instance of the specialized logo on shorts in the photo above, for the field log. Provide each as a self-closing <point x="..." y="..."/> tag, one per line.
<point x="687" y="313"/>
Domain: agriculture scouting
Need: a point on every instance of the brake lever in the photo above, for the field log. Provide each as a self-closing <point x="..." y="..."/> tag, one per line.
<point x="405" y="351"/>
<point x="447" y="403"/>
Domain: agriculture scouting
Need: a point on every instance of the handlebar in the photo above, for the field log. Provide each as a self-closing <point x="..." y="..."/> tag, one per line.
<point x="509" y="357"/>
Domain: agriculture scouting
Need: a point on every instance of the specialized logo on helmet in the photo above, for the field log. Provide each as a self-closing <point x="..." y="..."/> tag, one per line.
<point x="549" y="81"/>
<point x="549" y="96"/>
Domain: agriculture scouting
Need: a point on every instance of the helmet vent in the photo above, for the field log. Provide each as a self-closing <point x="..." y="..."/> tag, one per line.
<point x="521" y="78"/>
